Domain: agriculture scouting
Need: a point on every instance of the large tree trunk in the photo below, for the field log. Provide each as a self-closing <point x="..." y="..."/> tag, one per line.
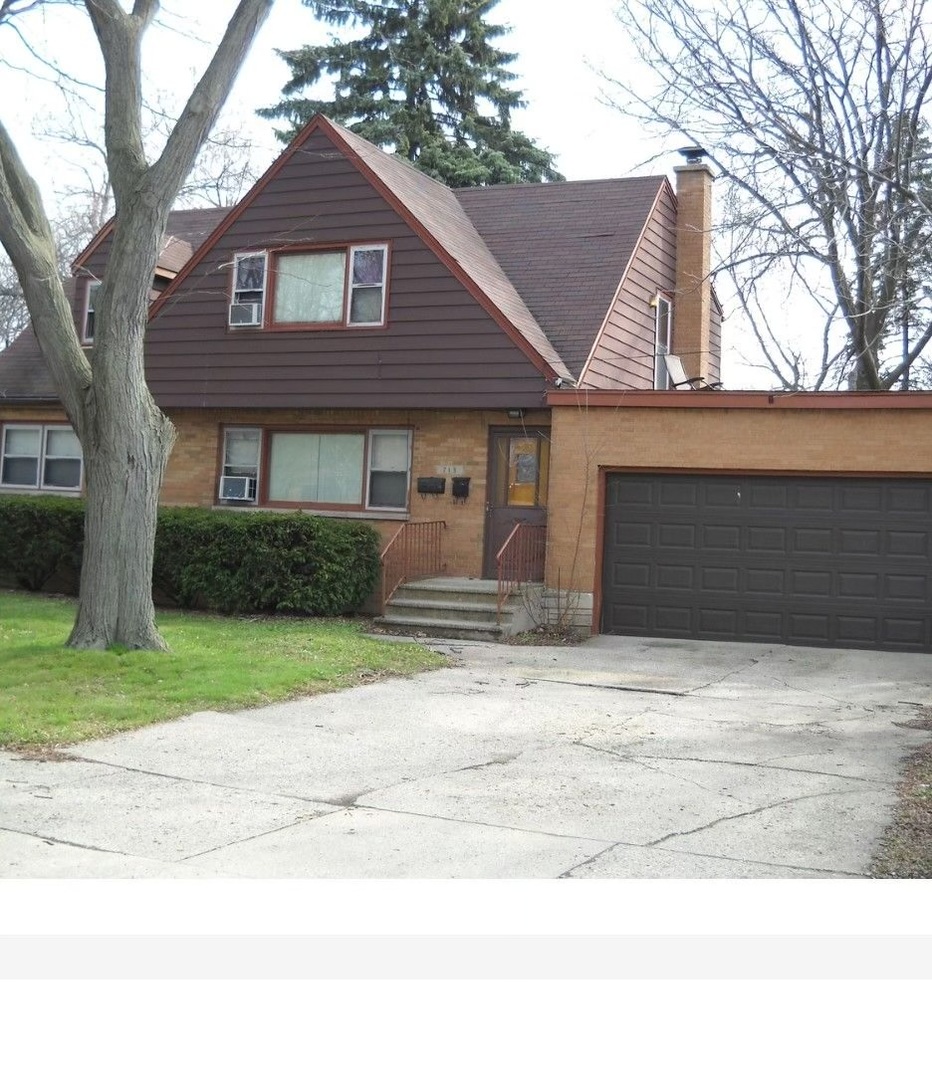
<point x="125" y="463"/>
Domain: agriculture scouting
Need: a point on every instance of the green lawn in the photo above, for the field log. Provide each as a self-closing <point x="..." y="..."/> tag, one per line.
<point x="50" y="695"/>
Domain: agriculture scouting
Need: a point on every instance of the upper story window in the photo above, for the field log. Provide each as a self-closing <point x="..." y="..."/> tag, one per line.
<point x="90" y="308"/>
<point x="43" y="457"/>
<point x="248" y="289"/>
<point x="344" y="287"/>
<point x="663" y="326"/>
<point x="367" y="469"/>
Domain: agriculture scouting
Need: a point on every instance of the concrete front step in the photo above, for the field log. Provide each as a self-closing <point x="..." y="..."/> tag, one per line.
<point x="451" y="607"/>
<point x="459" y="591"/>
<point x="428" y="610"/>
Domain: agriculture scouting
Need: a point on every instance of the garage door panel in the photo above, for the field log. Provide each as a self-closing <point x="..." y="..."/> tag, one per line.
<point x="813" y="561"/>
<point x="810" y="584"/>
<point x="720" y="579"/>
<point x="907" y="587"/>
<point x="763" y="625"/>
<point x="721" y="538"/>
<point x="670" y="619"/>
<point x="766" y="539"/>
<point x="857" y="631"/>
<point x="721" y="494"/>
<point x="630" y="618"/>
<point x="764" y="582"/>
<point x="677" y="535"/>
<point x="676" y="576"/>
<point x="859" y="586"/>
<point x="814" y="497"/>
<point x="630" y="492"/>
<point x="761" y="495"/>
<point x="910" y="544"/>
<point x="907" y="499"/>
<point x="906" y="631"/>
<point x="812" y="541"/>
<point x="859" y="542"/>
<point x="631" y="575"/>
<point x="632" y="534"/>
<point x="718" y="622"/>
<point x="861" y="497"/>
<point x="677" y="493"/>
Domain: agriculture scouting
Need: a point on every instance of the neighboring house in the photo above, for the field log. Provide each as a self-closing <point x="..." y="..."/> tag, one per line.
<point x="356" y="340"/>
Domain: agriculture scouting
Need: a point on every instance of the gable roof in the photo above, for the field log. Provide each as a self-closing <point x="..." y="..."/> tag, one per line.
<point x="24" y="374"/>
<point x="566" y="246"/>
<point x="433" y="212"/>
<point x="439" y="213"/>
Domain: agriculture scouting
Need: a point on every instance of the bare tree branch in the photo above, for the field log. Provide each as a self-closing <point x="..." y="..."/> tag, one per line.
<point x="815" y="114"/>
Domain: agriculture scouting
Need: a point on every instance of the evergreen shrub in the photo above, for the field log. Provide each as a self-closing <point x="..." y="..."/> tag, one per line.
<point x="41" y="536"/>
<point x="238" y="562"/>
<point x="227" y="561"/>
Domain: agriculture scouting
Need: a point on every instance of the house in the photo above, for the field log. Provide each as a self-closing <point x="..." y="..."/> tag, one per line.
<point x="354" y="339"/>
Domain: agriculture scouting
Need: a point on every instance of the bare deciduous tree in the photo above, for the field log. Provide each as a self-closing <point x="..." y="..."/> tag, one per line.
<point x="814" y="112"/>
<point x="125" y="438"/>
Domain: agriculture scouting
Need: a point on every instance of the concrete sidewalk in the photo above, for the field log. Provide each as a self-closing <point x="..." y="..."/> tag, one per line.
<point x="619" y="758"/>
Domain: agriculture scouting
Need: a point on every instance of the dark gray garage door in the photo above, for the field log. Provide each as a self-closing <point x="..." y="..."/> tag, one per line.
<point x="801" y="560"/>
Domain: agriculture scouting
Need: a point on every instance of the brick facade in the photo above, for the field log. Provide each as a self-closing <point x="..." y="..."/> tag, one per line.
<point x="782" y="433"/>
<point x="441" y="438"/>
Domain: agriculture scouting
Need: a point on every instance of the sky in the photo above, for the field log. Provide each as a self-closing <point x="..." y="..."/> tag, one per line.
<point x="558" y="69"/>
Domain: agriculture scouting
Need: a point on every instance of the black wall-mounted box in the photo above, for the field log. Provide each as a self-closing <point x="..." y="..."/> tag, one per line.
<point x="461" y="487"/>
<point x="431" y="485"/>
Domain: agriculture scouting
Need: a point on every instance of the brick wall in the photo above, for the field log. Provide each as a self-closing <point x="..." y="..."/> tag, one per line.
<point x="440" y="438"/>
<point x="774" y="438"/>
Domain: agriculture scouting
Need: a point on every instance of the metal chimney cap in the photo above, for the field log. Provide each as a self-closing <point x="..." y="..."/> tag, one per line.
<point x="693" y="154"/>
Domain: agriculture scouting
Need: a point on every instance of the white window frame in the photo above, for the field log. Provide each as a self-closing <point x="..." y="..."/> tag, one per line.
<point x="93" y="287"/>
<point x="662" y="303"/>
<point x="238" y="294"/>
<point x="350" y="287"/>
<point x="224" y="474"/>
<point x="370" y="439"/>
<point x="40" y="485"/>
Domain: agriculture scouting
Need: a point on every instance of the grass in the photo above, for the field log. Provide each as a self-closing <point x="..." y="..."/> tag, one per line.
<point x="51" y="696"/>
<point x="906" y="849"/>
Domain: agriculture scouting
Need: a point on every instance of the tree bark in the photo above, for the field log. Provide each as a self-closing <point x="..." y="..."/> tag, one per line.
<point x="125" y="463"/>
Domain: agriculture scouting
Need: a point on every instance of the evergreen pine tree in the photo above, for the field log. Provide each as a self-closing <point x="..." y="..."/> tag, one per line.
<point x="424" y="80"/>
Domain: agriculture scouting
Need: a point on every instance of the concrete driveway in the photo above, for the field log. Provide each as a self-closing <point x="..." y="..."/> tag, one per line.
<point x="620" y="758"/>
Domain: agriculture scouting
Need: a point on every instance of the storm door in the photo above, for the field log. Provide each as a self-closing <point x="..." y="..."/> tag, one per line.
<point x="519" y="471"/>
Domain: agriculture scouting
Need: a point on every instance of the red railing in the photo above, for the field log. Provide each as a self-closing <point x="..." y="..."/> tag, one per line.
<point x="520" y="560"/>
<point x="416" y="550"/>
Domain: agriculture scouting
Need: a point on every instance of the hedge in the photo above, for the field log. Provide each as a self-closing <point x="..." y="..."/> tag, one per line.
<point x="39" y="538"/>
<point x="227" y="561"/>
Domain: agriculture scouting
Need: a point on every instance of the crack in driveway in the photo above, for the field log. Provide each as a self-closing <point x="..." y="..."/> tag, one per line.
<point x="747" y="813"/>
<point x="765" y="764"/>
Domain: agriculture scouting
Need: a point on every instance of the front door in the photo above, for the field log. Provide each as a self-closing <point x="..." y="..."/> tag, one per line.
<point x="519" y="470"/>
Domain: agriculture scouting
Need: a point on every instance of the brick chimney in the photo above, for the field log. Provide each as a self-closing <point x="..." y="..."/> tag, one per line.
<point x="692" y="305"/>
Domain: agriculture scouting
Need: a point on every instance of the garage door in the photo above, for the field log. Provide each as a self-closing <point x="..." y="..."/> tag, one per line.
<point x="800" y="560"/>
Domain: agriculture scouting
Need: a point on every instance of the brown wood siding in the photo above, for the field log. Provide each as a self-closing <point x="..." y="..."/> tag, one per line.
<point x="623" y="356"/>
<point x="439" y="348"/>
<point x="715" y="343"/>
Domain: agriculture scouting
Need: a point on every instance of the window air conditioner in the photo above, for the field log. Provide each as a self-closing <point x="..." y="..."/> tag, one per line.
<point x="236" y="488"/>
<point x="246" y="314"/>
